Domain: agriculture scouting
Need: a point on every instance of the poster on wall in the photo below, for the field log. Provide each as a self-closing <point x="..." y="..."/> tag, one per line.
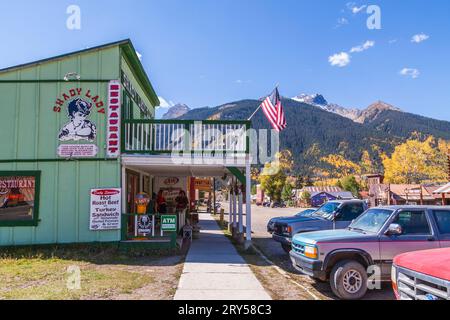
<point x="105" y="209"/>
<point x="78" y="105"/>
<point x="17" y="198"/>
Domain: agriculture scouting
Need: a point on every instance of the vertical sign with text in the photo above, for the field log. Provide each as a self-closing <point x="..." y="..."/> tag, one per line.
<point x="113" y="125"/>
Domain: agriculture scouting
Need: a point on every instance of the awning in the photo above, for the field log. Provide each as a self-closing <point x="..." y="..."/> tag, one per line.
<point x="444" y="189"/>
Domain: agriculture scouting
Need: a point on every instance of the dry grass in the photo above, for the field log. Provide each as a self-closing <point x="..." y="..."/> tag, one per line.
<point x="106" y="273"/>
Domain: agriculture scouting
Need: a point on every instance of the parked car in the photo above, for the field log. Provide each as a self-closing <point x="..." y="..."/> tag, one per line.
<point x="332" y="215"/>
<point x="374" y="239"/>
<point x="422" y="275"/>
<point x="304" y="213"/>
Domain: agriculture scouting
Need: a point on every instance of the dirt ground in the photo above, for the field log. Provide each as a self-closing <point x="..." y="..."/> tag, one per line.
<point x="104" y="274"/>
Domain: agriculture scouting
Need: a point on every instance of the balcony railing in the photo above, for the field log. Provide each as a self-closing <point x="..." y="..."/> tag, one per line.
<point x="167" y="136"/>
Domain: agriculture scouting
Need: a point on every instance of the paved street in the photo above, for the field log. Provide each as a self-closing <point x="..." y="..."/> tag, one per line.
<point x="263" y="240"/>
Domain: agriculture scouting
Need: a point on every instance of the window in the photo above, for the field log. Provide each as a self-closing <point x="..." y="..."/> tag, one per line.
<point x="413" y="222"/>
<point x="351" y="211"/>
<point x="443" y="221"/>
<point x="19" y="198"/>
<point x="372" y="220"/>
<point x="127" y="106"/>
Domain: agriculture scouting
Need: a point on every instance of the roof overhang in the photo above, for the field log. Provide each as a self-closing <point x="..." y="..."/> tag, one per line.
<point x="165" y="165"/>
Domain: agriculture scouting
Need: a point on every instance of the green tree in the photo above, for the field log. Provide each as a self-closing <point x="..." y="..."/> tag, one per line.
<point x="286" y="194"/>
<point x="272" y="180"/>
<point x="306" y="197"/>
<point x="350" y="184"/>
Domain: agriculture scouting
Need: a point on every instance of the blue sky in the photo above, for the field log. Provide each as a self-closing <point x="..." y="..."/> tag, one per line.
<point x="210" y="52"/>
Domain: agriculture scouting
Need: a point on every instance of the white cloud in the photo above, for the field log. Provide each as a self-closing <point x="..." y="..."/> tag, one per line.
<point x="339" y="59"/>
<point x="410" y="72"/>
<point x="366" y="45"/>
<point x="239" y="81"/>
<point x="139" y="55"/>
<point x="418" y="38"/>
<point x="342" y="21"/>
<point x="164" y="103"/>
<point x="354" y="8"/>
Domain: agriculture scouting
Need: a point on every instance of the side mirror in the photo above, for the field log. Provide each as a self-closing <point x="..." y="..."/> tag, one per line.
<point x="394" y="230"/>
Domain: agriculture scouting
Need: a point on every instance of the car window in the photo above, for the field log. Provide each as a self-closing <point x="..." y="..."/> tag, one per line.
<point x="413" y="222"/>
<point x="327" y="210"/>
<point x="443" y="221"/>
<point x="350" y="211"/>
<point x="372" y="220"/>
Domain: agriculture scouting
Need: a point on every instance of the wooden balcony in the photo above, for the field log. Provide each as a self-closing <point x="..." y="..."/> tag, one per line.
<point x="184" y="136"/>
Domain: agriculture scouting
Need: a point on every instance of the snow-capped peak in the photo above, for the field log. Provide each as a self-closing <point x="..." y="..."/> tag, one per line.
<point x="312" y="99"/>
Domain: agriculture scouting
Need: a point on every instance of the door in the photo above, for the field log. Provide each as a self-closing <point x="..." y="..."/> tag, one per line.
<point x="132" y="189"/>
<point x="347" y="213"/>
<point x="417" y="235"/>
<point x="442" y="222"/>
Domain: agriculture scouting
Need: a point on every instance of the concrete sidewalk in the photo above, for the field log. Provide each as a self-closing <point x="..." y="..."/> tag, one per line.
<point x="214" y="270"/>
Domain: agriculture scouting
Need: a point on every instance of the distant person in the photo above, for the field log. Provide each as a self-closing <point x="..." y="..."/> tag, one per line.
<point x="161" y="203"/>
<point x="181" y="201"/>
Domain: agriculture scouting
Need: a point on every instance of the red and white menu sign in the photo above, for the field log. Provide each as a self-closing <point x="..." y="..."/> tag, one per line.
<point x="113" y="124"/>
<point x="105" y="209"/>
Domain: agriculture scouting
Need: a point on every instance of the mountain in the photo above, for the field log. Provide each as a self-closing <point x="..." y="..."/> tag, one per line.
<point x="373" y="111"/>
<point x="176" y="111"/>
<point x="318" y="100"/>
<point x="313" y="131"/>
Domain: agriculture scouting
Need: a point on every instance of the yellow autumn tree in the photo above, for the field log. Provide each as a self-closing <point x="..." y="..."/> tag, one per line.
<point x="341" y="166"/>
<point x="417" y="162"/>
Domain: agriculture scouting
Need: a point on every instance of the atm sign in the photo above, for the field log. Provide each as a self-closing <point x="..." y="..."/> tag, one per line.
<point x="169" y="223"/>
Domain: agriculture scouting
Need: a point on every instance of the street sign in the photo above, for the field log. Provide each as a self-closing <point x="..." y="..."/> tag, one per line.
<point x="169" y="223"/>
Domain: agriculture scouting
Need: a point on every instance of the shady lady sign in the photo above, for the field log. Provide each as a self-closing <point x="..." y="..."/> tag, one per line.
<point x="78" y="104"/>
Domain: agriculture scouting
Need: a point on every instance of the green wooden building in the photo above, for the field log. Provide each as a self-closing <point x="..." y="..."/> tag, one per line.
<point x="79" y="142"/>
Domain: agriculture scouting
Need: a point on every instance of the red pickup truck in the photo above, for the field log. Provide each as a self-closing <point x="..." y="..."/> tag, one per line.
<point x="422" y="275"/>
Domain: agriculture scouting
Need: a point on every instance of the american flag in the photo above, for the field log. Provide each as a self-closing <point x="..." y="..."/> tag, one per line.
<point x="274" y="111"/>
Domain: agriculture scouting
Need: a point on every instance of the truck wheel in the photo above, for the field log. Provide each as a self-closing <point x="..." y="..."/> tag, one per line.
<point x="286" y="247"/>
<point x="348" y="280"/>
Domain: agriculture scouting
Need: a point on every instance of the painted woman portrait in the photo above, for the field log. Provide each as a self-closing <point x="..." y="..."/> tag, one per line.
<point x="79" y="128"/>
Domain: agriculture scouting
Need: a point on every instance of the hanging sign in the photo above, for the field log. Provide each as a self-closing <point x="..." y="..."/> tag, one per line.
<point x="105" y="209"/>
<point x="113" y="125"/>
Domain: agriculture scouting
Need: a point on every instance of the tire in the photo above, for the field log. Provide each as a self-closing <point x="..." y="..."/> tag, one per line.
<point x="348" y="280"/>
<point x="286" y="247"/>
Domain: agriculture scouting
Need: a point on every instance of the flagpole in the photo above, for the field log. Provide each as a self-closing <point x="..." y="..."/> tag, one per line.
<point x="253" y="114"/>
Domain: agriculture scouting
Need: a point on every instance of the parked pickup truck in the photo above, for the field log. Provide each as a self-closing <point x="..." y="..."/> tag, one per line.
<point x="374" y="239"/>
<point x="332" y="215"/>
<point x="422" y="275"/>
<point x="300" y="215"/>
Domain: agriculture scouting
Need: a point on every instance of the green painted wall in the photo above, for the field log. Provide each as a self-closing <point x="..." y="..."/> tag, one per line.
<point x="29" y="128"/>
<point x="136" y="111"/>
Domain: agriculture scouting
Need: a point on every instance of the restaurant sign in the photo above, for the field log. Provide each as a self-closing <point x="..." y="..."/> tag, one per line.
<point x="105" y="209"/>
<point x="113" y="125"/>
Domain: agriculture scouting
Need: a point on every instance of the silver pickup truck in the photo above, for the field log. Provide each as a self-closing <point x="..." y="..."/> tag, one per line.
<point x="374" y="239"/>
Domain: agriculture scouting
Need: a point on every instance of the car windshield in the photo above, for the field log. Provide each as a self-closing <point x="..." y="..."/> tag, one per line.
<point x="371" y="221"/>
<point x="326" y="211"/>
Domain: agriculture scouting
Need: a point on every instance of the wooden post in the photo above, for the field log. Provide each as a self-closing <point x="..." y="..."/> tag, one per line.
<point x="240" y="210"/>
<point x="421" y="195"/>
<point x="443" y="199"/>
<point x="389" y="195"/>
<point x="248" y="205"/>
<point x="214" y="196"/>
